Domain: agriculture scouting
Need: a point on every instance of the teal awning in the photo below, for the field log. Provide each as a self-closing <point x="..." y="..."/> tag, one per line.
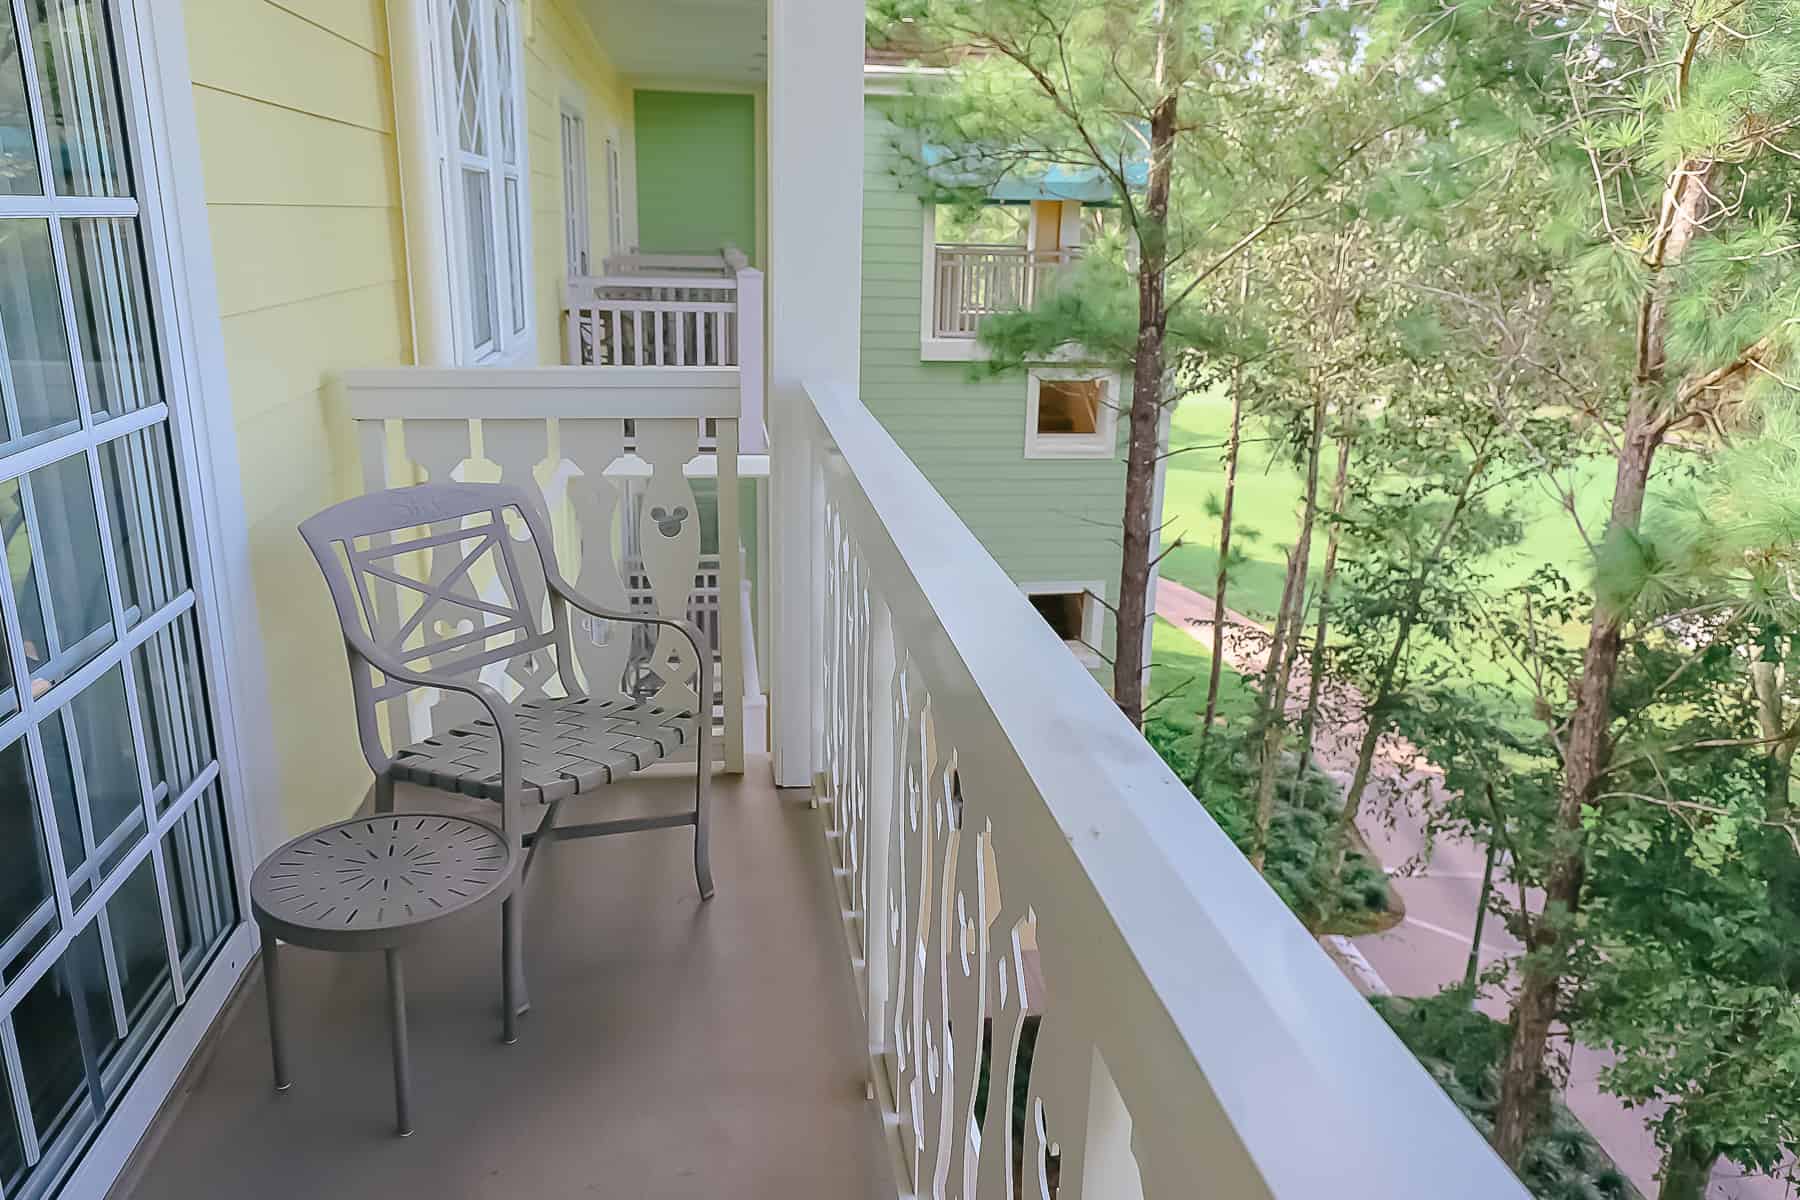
<point x="1021" y="183"/>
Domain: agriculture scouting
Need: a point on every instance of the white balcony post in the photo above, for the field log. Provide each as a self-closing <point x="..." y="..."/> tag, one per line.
<point x="410" y="54"/>
<point x="751" y="360"/>
<point x="883" y="786"/>
<point x="814" y="307"/>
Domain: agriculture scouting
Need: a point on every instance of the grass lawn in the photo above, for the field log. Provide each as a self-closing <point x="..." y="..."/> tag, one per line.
<point x="1179" y="665"/>
<point x="1268" y="498"/>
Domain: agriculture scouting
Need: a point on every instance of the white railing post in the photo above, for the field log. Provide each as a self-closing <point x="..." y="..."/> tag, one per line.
<point x="756" y="705"/>
<point x="883" y="742"/>
<point x="794" y="628"/>
<point x="750" y="357"/>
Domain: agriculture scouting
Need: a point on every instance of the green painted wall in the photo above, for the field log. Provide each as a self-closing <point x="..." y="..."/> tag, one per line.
<point x="696" y="172"/>
<point x="1042" y="520"/>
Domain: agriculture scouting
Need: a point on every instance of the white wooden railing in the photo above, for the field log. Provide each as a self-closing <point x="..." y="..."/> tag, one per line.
<point x="973" y="282"/>
<point x="602" y="448"/>
<point x="673" y="310"/>
<point x="1018" y="868"/>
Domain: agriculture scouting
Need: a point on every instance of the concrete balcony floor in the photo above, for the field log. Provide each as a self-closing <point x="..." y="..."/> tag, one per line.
<point x="673" y="1049"/>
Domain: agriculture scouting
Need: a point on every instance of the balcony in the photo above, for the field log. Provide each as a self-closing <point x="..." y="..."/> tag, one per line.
<point x="991" y="878"/>
<point x="973" y="282"/>
<point x="673" y="310"/>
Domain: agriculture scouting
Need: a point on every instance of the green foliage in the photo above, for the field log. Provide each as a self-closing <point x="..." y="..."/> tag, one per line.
<point x="1463" y="1048"/>
<point x="1298" y="860"/>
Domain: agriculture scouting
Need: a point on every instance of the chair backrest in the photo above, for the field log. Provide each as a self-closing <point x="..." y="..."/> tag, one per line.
<point x="438" y="577"/>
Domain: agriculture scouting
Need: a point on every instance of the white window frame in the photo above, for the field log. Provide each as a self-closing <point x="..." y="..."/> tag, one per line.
<point x="1102" y="443"/>
<point x="513" y="340"/>
<point x="1093" y="615"/>
<point x="615" y="202"/>
<point x="173" y="217"/>
<point x="578" y="241"/>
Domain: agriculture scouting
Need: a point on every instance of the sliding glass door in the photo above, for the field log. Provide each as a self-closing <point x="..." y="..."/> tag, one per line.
<point x="116" y="883"/>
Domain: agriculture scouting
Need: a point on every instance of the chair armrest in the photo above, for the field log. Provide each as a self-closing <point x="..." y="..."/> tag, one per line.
<point x="505" y="724"/>
<point x="702" y="652"/>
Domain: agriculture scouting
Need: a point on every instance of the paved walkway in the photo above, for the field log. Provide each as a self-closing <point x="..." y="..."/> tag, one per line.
<point x="1441" y="887"/>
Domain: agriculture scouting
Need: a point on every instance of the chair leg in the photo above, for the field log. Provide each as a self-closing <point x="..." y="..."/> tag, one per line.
<point x="272" y="994"/>
<point x="702" y="850"/>
<point x="396" y="985"/>
<point x="384" y="793"/>
<point x="513" y="997"/>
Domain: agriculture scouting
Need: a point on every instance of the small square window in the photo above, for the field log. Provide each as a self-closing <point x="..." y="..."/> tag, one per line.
<point x="1063" y="612"/>
<point x="1074" y="613"/>
<point x="1069" y="406"/>
<point x="1071" y="414"/>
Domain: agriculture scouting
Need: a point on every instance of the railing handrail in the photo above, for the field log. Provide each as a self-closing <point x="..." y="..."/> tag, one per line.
<point x="1243" y="1056"/>
<point x="1008" y="249"/>
<point x="470" y="393"/>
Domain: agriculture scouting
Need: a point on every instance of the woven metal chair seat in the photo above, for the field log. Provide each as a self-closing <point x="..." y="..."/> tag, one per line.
<point x="567" y="746"/>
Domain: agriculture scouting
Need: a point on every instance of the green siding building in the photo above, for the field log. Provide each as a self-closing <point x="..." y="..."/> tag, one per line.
<point x="1050" y="522"/>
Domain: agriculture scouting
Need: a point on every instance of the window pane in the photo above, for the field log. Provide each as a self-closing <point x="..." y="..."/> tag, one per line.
<point x="50" y="1047"/>
<point x="73" y="41"/>
<point x="139" y="948"/>
<point x="483" y="300"/>
<point x="503" y="81"/>
<point x="200" y="884"/>
<point x="72" y="833"/>
<point x="172" y="705"/>
<point x="112" y="314"/>
<point x="12" y="1150"/>
<point x="41" y="394"/>
<point x="18" y="148"/>
<point x="106" y="762"/>
<point x="465" y="58"/>
<point x="141" y="506"/>
<point x="24" y="864"/>
<point x="58" y="574"/>
<point x="515" y="256"/>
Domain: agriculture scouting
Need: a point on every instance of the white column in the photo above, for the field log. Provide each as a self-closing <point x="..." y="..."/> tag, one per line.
<point x="424" y="216"/>
<point x="814" y="312"/>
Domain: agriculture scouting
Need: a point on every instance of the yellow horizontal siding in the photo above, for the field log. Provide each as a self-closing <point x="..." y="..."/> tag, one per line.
<point x="563" y="59"/>
<point x="294" y="109"/>
<point x="254" y="48"/>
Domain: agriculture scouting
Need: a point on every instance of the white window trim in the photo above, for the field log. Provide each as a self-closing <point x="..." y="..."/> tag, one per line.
<point x="1093" y="615"/>
<point x="573" y="109"/>
<point x="1102" y="443"/>
<point x="174" y="211"/>
<point x="508" y="347"/>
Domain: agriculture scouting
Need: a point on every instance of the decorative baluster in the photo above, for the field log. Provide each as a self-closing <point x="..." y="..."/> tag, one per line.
<point x="438" y="447"/>
<point x="669" y="533"/>
<point x="601" y="648"/>
<point x="517" y="446"/>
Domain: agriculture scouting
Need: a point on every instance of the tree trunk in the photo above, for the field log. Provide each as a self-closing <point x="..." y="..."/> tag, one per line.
<point x="1586" y="745"/>
<point x="1686" y="1171"/>
<point x="1133" y="611"/>
<point x="1315" y="666"/>
<point x="1233" y="442"/>
<point x="1284" y="650"/>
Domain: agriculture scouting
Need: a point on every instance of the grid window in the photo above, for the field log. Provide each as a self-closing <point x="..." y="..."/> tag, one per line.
<point x="484" y="106"/>
<point x="116" y="880"/>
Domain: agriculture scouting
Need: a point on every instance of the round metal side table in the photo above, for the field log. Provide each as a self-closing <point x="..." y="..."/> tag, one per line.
<point x="376" y="883"/>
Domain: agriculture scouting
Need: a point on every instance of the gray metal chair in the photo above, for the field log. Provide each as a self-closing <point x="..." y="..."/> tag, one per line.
<point x="430" y="592"/>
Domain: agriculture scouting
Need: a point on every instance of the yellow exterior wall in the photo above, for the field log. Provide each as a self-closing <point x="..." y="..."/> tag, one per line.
<point x="565" y="64"/>
<point x="296" y="121"/>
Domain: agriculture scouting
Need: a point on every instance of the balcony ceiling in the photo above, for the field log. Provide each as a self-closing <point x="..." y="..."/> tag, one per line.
<point x="684" y="41"/>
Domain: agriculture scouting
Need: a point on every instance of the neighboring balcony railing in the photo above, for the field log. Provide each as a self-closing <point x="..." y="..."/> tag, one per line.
<point x="673" y="310"/>
<point x="615" y="456"/>
<point x="1031" y="898"/>
<point x="973" y="282"/>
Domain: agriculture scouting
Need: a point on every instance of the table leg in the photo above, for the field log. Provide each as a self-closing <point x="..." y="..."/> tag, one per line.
<point x="272" y="995"/>
<point x="402" y="1058"/>
<point x="509" y="968"/>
